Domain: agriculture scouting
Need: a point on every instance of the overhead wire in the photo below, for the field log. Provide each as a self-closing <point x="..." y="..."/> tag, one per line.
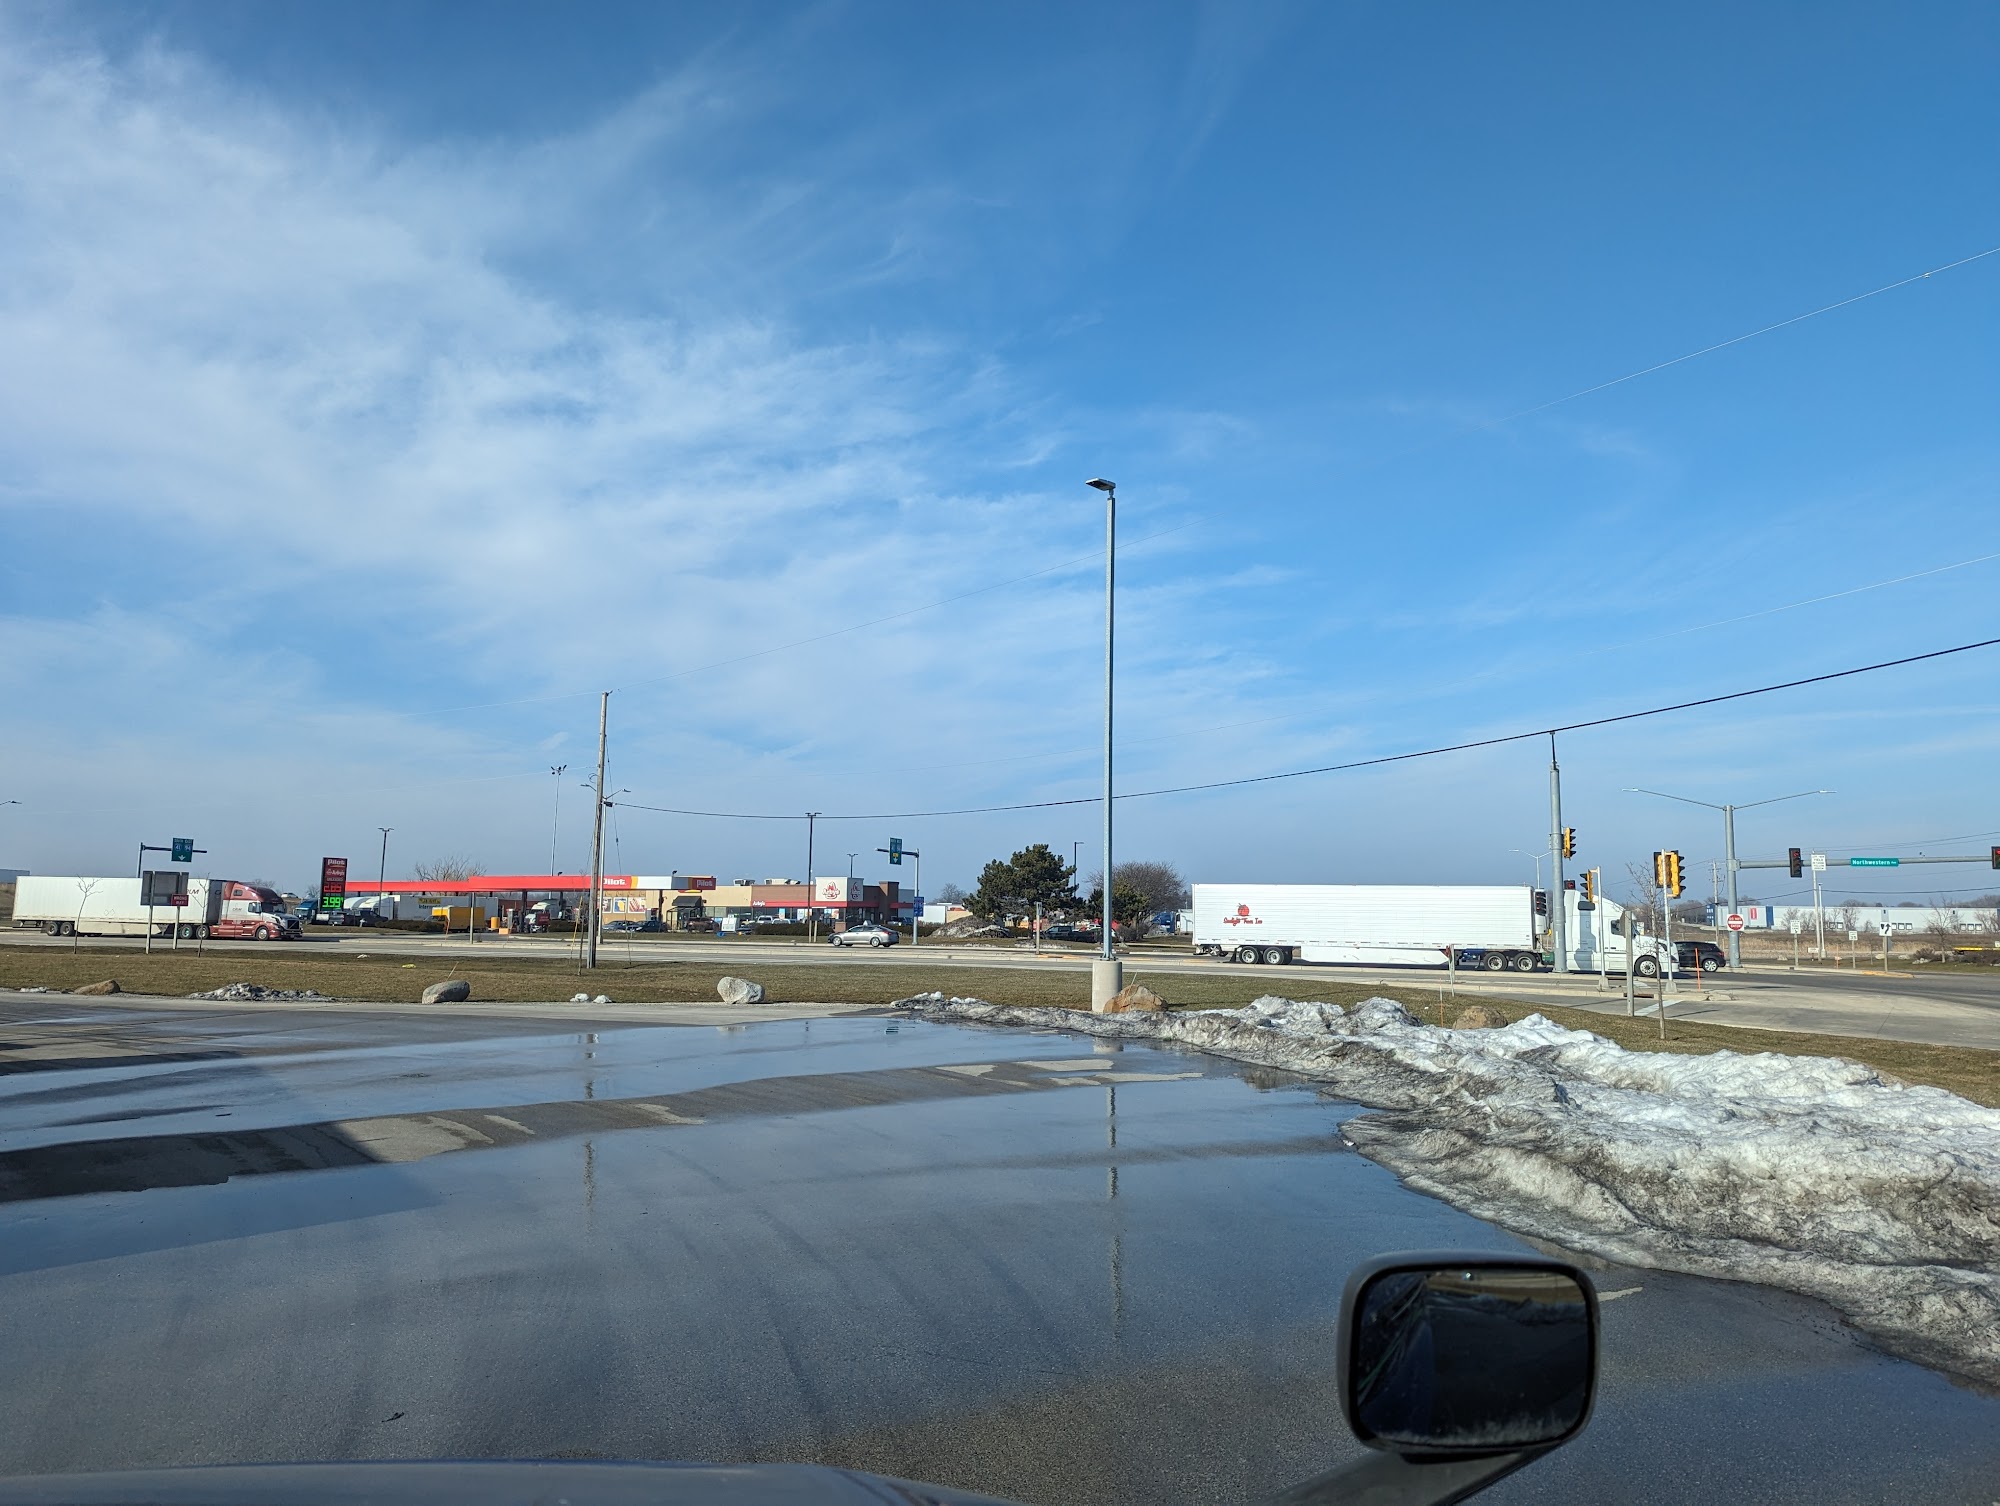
<point x="1337" y="768"/>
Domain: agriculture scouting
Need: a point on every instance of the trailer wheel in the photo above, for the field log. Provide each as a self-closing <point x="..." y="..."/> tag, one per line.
<point x="1249" y="954"/>
<point x="65" y="928"/>
<point x="1276" y="956"/>
<point x="1524" y="962"/>
<point x="52" y="928"/>
<point x="1495" y="961"/>
<point x="1647" y="967"/>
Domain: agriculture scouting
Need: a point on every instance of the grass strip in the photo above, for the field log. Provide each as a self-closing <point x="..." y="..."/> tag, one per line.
<point x="1965" y="1070"/>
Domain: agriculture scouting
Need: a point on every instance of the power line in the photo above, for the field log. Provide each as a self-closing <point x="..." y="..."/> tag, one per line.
<point x="1360" y="763"/>
<point x="1633" y="376"/>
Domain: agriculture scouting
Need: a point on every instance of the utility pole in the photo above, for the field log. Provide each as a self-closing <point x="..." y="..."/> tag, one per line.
<point x="1558" y="897"/>
<point x="812" y="912"/>
<point x="382" y="872"/>
<point x="595" y="919"/>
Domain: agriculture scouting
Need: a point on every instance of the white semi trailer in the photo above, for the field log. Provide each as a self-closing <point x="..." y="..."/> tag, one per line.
<point x="64" y="906"/>
<point x="1411" y="925"/>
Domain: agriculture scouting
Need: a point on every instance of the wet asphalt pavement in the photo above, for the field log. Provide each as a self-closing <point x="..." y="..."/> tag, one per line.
<point x="1024" y="1263"/>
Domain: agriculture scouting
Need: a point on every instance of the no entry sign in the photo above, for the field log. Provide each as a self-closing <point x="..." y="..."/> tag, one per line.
<point x="1735" y="922"/>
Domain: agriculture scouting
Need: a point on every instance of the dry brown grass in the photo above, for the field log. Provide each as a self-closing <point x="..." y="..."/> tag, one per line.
<point x="395" y="979"/>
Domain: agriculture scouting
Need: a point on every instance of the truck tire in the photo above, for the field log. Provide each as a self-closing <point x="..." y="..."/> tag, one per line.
<point x="52" y="928"/>
<point x="1524" y="962"/>
<point x="186" y="932"/>
<point x="201" y="933"/>
<point x="262" y="933"/>
<point x="1276" y="956"/>
<point x="1248" y="954"/>
<point x="1496" y="962"/>
<point x="1647" y="967"/>
<point x="65" y="928"/>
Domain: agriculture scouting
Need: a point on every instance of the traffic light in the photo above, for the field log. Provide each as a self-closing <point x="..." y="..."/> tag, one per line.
<point x="1673" y="882"/>
<point x="1541" y="901"/>
<point x="1796" y="863"/>
<point x="1660" y="869"/>
<point x="1569" y="841"/>
<point x="1589" y="888"/>
<point x="1996" y="857"/>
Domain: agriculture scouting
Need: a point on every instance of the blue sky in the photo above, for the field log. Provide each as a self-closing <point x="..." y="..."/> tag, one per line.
<point x="379" y="382"/>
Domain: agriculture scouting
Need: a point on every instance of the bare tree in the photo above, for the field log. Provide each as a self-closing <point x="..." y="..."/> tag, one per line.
<point x="1645" y="896"/>
<point x="951" y="894"/>
<point x="84" y="889"/>
<point x="452" y="870"/>
<point x="1941" y="929"/>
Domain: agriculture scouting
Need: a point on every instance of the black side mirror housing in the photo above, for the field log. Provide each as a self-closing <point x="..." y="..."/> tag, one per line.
<point x="1458" y="1369"/>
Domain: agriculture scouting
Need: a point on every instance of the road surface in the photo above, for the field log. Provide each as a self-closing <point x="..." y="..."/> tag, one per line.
<point x="1022" y="1262"/>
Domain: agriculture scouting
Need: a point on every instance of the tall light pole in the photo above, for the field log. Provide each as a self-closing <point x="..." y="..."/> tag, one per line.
<point x="1106" y="976"/>
<point x="1537" y="857"/>
<point x="555" y="825"/>
<point x="382" y="872"/>
<point x="594" y="921"/>
<point x="812" y="914"/>
<point x="1728" y="844"/>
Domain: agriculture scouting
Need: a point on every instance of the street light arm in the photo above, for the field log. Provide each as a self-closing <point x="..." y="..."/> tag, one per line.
<point x="1776" y="798"/>
<point x="1684" y="800"/>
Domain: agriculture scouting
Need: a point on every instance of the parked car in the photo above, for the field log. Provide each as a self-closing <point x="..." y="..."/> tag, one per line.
<point x="1070" y="933"/>
<point x="620" y="925"/>
<point x="867" y="934"/>
<point x="1706" y="955"/>
<point x="703" y="924"/>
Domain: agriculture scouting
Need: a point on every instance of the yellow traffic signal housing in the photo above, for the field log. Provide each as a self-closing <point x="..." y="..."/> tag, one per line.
<point x="1660" y="869"/>
<point x="1569" y="841"/>
<point x="1673" y="876"/>
<point x="1589" y="887"/>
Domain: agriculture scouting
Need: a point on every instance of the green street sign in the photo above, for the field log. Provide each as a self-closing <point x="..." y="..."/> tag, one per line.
<point x="183" y="850"/>
<point x="1874" y="862"/>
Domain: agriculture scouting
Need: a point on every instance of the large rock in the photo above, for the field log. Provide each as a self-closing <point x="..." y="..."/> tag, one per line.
<point x="108" y="986"/>
<point x="1134" y="998"/>
<point x="451" y="991"/>
<point x="740" y="991"/>
<point x="1479" y="1017"/>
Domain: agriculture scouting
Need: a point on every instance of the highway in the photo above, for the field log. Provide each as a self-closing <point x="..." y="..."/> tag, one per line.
<point x="1063" y="1270"/>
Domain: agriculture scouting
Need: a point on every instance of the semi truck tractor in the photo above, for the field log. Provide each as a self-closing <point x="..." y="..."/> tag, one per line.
<point x="221" y="908"/>
<point x="1413" y="925"/>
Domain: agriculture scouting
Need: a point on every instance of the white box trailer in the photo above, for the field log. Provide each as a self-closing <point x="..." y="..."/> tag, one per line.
<point x="1406" y="925"/>
<point x="82" y="906"/>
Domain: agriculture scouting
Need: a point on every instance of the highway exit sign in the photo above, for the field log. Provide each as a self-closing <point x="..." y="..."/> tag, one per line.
<point x="1874" y="862"/>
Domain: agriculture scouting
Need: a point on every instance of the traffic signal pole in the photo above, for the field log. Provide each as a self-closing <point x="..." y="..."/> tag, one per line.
<point x="1729" y="864"/>
<point x="1558" y="896"/>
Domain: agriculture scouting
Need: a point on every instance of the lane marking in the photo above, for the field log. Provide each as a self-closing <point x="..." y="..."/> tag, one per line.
<point x="1627" y="1291"/>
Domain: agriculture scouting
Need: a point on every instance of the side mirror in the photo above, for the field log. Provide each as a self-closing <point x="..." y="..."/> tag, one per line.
<point x="1458" y="1369"/>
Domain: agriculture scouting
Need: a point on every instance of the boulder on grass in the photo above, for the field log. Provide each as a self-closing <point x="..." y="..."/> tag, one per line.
<point x="1134" y="998"/>
<point x="451" y="991"/>
<point x="108" y="986"/>
<point x="740" y="991"/>
<point x="1479" y="1017"/>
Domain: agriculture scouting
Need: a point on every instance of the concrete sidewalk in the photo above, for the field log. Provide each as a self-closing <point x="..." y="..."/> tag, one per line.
<point x="1891" y="1017"/>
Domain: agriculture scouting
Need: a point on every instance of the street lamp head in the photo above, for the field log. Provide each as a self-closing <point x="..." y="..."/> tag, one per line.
<point x="1101" y="484"/>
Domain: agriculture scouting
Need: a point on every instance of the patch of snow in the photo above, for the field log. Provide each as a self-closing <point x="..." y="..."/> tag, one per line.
<point x="249" y="992"/>
<point x="1816" y="1174"/>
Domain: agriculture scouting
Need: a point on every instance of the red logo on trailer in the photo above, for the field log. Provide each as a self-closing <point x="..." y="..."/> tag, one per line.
<point x="1242" y="917"/>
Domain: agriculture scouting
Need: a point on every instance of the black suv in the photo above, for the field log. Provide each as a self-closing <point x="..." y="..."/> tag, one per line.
<point x="1710" y="958"/>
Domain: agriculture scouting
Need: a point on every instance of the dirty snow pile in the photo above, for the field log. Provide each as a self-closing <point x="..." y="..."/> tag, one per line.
<point x="242" y="993"/>
<point x="1812" y="1173"/>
